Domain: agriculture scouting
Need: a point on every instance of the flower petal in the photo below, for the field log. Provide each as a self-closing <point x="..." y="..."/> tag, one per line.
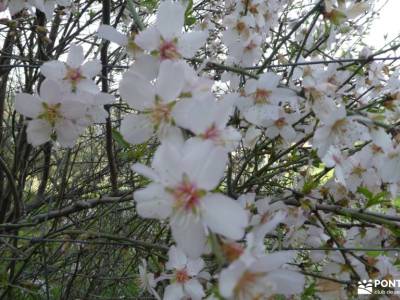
<point x="194" y="266"/>
<point x="177" y="259"/>
<point x="136" y="129"/>
<point x="91" y="68"/>
<point x="108" y="32"/>
<point x="16" y="6"/>
<point x="73" y="110"/>
<point x="170" y="18"/>
<point x="204" y="163"/>
<point x="268" y="80"/>
<point x="104" y="98"/>
<point x="88" y="85"/>
<point x="191" y="42"/>
<point x="260" y="114"/>
<point x="273" y="261"/>
<point x="67" y="132"/>
<point x="286" y="282"/>
<point x="230" y="277"/>
<point x="174" y="292"/>
<point x="148" y="39"/>
<point x="137" y="91"/>
<point x="147" y="66"/>
<point x="75" y="56"/>
<point x="170" y="80"/>
<point x="55" y="70"/>
<point x="38" y="132"/>
<point x="50" y="91"/>
<point x="167" y="163"/>
<point x="224" y="216"/>
<point x="28" y="105"/>
<point x="153" y="202"/>
<point x="194" y="289"/>
<point x="189" y="235"/>
<point x="197" y="114"/>
<point x="145" y="171"/>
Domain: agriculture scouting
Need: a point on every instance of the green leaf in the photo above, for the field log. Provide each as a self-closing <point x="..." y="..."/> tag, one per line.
<point x="309" y="186"/>
<point x="309" y="292"/>
<point x="378" y="199"/>
<point x="372" y="199"/>
<point x="364" y="191"/>
<point x="117" y="136"/>
<point x="149" y="4"/>
<point x="189" y="19"/>
<point x="375" y="253"/>
<point x="396" y="202"/>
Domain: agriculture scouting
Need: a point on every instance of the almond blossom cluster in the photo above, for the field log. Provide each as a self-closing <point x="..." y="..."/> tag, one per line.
<point x="178" y="107"/>
<point x="246" y="237"/>
<point x="67" y="103"/>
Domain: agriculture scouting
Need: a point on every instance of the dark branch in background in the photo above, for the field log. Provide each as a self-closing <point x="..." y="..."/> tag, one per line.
<point x="4" y="59"/>
<point x="104" y="87"/>
<point x="77" y="206"/>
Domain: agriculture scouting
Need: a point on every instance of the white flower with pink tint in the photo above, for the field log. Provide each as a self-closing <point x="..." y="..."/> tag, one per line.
<point x="52" y="116"/>
<point x="184" y="278"/>
<point x="127" y="41"/>
<point x="261" y="278"/>
<point x="153" y="102"/>
<point x="166" y="40"/>
<point x="183" y="176"/>
<point x="73" y="74"/>
<point x="339" y="130"/>
<point x="207" y="118"/>
<point x="147" y="281"/>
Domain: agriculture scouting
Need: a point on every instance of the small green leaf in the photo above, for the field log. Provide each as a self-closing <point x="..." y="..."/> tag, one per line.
<point x="117" y="136"/>
<point x="149" y="4"/>
<point x="189" y="19"/>
<point x="309" y="186"/>
<point x="364" y="191"/>
<point x="372" y="199"/>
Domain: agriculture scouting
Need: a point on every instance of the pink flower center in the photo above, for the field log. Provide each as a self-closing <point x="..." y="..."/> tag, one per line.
<point x="240" y="27"/>
<point x="181" y="276"/>
<point x="187" y="196"/>
<point x="265" y="218"/>
<point x="232" y="251"/>
<point x="161" y="113"/>
<point x="51" y="113"/>
<point x="261" y="96"/>
<point x="336" y="159"/>
<point x="244" y="286"/>
<point x="280" y="123"/>
<point x="250" y="46"/>
<point x="339" y="127"/>
<point x="168" y="51"/>
<point x="74" y="76"/>
<point x="212" y="133"/>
